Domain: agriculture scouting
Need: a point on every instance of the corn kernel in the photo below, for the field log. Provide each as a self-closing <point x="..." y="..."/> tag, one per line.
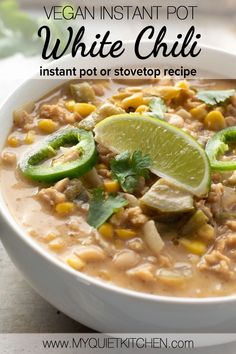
<point x="64" y="208"/>
<point x="101" y="166"/>
<point x="142" y="109"/>
<point x="206" y="232"/>
<point x="13" y="141"/>
<point x="193" y="246"/>
<point x="70" y="105"/>
<point x="121" y="95"/>
<point x="75" y="262"/>
<point x="47" y="125"/>
<point x="214" y="121"/>
<point x="29" y="138"/>
<point x="169" y="92"/>
<point x="125" y="234"/>
<point x="199" y="112"/>
<point x="57" y="244"/>
<point x="133" y="101"/>
<point x="106" y="230"/>
<point x="111" y="186"/>
<point x="49" y="237"/>
<point x="183" y="84"/>
<point x="84" y="109"/>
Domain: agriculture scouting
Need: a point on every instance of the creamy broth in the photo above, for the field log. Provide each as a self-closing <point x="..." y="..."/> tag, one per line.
<point x="202" y="267"/>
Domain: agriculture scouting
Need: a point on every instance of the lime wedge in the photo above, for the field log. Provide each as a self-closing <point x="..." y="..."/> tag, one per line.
<point x="175" y="154"/>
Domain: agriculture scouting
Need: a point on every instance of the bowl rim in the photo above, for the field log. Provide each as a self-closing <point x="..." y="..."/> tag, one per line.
<point x="52" y="260"/>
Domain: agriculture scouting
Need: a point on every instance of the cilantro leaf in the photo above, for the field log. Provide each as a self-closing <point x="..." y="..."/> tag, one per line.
<point x="102" y="208"/>
<point x="141" y="163"/>
<point x="127" y="169"/>
<point x="215" y="97"/>
<point x="157" y="107"/>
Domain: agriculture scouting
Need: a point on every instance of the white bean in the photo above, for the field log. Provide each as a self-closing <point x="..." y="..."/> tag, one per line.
<point x="126" y="259"/>
<point x="176" y="120"/>
<point x="142" y="272"/>
<point x="184" y="114"/>
<point x="90" y="253"/>
<point x="132" y="200"/>
<point x="8" y="158"/>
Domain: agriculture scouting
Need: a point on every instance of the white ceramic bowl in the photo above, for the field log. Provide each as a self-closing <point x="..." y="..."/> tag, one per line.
<point x="94" y="303"/>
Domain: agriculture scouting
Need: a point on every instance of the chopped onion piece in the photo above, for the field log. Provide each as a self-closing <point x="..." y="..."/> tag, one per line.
<point x="152" y="237"/>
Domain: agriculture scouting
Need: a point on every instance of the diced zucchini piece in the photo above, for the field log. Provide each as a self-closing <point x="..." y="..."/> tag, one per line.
<point x="83" y="92"/>
<point x="165" y="199"/>
<point x="224" y="216"/>
<point x="194" y="223"/>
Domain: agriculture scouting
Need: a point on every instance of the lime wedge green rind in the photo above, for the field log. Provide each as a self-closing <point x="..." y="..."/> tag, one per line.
<point x="175" y="154"/>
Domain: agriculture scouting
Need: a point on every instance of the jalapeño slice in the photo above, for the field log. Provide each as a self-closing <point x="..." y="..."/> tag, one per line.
<point x="34" y="164"/>
<point x="218" y="145"/>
